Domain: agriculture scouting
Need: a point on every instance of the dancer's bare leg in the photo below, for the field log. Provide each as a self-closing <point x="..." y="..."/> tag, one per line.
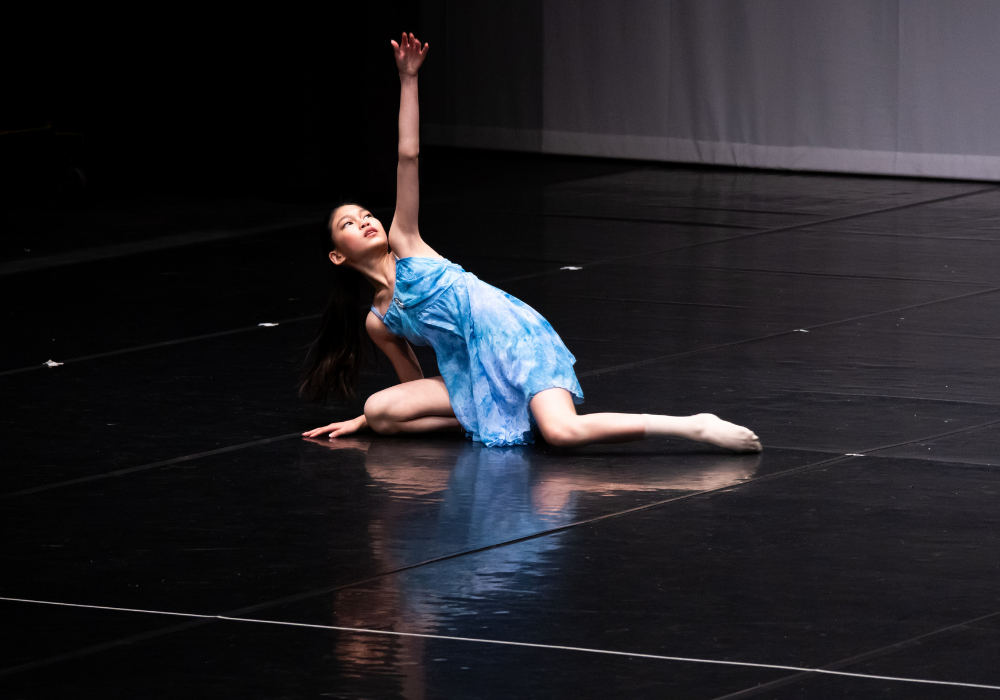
<point x="556" y="416"/>
<point x="419" y="406"/>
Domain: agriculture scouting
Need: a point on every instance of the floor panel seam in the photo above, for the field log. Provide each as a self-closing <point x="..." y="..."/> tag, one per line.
<point x="337" y="587"/>
<point x="660" y="657"/>
<point x="162" y="344"/>
<point x="905" y="235"/>
<point x="590" y="373"/>
<point x="871" y="212"/>
<point x="287" y="436"/>
<point x="297" y="597"/>
<point x="806" y="273"/>
<point x="533" y="645"/>
<point x="128" y="248"/>
<point x="645" y="220"/>
<point x="934" y="437"/>
<point x="887" y="650"/>
<point x="888" y="396"/>
<point x="524" y="538"/>
<point x="666" y="250"/>
<point x="779" y="229"/>
<point x="770" y="336"/>
<point x="153" y="465"/>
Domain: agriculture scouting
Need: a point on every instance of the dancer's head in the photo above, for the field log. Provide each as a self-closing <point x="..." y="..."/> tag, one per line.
<point x="356" y="236"/>
<point x="350" y="236"/>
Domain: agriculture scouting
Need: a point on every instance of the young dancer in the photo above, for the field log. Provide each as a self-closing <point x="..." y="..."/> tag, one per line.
<point x="503" y="368"/>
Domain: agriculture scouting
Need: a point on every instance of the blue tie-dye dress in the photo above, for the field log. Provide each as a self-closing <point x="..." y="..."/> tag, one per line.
<point x="494" y="351"/>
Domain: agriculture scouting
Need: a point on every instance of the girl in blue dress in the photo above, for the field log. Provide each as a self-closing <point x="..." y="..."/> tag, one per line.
<point x="504" y="371"/>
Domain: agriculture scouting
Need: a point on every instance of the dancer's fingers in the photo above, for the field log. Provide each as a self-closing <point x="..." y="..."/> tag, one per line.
<point x="319" y="431"/>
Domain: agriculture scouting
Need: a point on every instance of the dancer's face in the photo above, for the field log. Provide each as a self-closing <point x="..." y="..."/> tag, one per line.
<point x="357" y="234"/>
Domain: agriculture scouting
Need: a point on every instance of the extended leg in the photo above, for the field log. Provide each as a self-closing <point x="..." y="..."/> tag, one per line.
<point x="419" y="406"/>
<point x="556" y="416"/>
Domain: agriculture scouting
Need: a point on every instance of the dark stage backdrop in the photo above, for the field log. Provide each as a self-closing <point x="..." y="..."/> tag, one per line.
<point x="294" y="99"/>
<point x="303" y="100"/>
<point x="904" y="87"/>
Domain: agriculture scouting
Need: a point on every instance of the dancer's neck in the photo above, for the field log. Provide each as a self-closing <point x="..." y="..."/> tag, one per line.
<point x="380" y="273"/>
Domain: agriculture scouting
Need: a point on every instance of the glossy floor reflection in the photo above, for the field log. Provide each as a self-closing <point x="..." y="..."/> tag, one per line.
<point x="246" y="527"/>
<point x="157" y="476"/>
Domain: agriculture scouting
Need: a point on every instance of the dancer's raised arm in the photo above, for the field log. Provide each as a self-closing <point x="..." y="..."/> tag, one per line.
<point x="404" y="236"/>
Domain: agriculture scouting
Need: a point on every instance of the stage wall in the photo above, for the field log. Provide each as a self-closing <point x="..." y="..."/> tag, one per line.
<point x="902" y="87"/>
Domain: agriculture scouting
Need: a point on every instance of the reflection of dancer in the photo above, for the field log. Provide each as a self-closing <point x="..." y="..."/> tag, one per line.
<point x="503" y="367"/>
<point x="452" y="496"/>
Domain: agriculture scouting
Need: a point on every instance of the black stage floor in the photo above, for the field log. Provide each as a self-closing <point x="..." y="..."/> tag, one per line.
<point x="167" y="534"/>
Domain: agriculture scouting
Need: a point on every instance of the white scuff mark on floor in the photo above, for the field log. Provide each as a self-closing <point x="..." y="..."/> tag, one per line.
<point x="571" y="267"/>
<point x="800" y="330"/>
<point x="853" y="454"/>
<point x="53" y="363"/>
<point x="267" y="325"/>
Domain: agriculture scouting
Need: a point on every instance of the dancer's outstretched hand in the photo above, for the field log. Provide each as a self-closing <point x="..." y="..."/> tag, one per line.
<point x="338" y="429"/>
<point x="409" y="54"/>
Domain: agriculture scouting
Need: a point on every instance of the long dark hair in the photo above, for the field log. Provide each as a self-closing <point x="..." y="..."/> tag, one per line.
<point x="336" y="356"/>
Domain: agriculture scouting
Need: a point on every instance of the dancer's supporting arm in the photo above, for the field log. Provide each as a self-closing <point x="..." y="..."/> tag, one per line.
<point x="399" y="352"/>
<point x="404" y="236"/>
<point x="403" y="360"/>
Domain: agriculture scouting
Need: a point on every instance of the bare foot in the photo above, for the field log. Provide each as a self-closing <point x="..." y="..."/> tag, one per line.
<point x="716" y="431"/>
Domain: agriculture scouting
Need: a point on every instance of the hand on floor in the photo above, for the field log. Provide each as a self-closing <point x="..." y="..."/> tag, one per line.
<point x="338" y="429"/>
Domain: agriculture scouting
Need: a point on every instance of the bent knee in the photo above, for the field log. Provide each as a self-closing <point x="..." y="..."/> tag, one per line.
<point x="378" y="413"/>
<point x="561" y="434"/>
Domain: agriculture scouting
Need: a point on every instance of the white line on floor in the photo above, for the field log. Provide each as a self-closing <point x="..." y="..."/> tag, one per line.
<point x="362" y="630"/>
<point x="118" y="250"/>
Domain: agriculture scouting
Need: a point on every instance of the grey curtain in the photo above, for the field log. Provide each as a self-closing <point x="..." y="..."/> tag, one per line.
<point x="905" y="87"/>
